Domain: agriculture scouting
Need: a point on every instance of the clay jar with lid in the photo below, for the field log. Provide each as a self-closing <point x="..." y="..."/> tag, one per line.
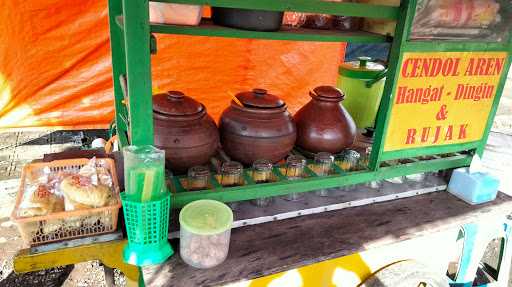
<point x="184" y="130"/>
<point x="323" y="125"/>
<point x="258" y="127"/>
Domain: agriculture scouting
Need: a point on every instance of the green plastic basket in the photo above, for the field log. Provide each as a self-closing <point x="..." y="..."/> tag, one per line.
<point x="147" y="226"/>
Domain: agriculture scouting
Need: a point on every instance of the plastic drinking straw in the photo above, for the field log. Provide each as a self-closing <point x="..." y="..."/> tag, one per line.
<point x="149" y="176"/>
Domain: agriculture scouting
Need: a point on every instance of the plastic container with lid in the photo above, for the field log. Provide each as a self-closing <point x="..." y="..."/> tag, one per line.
<point x="205" y="230"/>
<point x="362" y="82"/>
<point x="176" y="14"/>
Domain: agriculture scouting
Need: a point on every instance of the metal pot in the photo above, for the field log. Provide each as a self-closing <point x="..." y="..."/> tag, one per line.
<point x="184" y="130"/>
<point x="260" y="127"/>
<point x="323" y="125"/>
<point x="255" y="20"/>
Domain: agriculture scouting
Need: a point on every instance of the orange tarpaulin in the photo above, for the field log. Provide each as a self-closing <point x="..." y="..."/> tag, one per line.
<point x="55" y="66"/>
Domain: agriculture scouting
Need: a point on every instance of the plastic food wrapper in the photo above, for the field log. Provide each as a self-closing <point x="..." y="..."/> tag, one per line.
<point x="38" y="200"/>
<point x="43" y="194"/>
<point x="294" y="19"/>
<point x="90" y="187"/>
<point x="461" y="19"/>
<point x="97" y="174"/>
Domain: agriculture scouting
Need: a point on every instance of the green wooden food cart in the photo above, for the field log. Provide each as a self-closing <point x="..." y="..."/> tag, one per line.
<point x="401" y="124"/>
<point x="440" y="98"/>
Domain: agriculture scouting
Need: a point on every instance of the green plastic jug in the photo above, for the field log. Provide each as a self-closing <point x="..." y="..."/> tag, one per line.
<point x="362" y="82"/>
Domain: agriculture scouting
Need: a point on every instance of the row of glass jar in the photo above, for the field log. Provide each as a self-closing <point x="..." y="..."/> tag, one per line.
<point x="232" y="171"/>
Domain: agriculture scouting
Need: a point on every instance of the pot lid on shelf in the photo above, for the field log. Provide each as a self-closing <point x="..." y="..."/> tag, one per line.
<point x="363" y="68"/>
<point x="175" y="103"/>
<point x="259" y="98"/>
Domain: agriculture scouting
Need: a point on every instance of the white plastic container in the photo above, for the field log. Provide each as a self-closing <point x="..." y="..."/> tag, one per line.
<point x="176" y="14"/>
<point x="205" y="230"/>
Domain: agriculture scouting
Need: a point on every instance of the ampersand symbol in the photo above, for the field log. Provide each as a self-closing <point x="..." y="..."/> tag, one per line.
<point x="442" y="114"/>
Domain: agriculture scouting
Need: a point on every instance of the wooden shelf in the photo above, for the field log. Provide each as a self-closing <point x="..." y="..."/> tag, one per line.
<point x="309" y="6"/>
<point x="207" y="28"/>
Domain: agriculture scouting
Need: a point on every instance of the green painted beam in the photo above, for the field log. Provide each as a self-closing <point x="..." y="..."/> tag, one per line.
<point x="429" y="150"/>
<point x="309" y="6"/>
<point x="118" y="68"/>
<point x="402" y="31"/>
<point x="284" y="187"/>
<point x="208" y="29"/>
<point x="138" y="71"/>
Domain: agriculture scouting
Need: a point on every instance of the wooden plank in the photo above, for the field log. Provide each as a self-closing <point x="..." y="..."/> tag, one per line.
<point x="264" y="249"/>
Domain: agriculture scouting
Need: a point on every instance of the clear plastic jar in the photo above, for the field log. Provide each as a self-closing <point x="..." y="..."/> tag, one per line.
<point x="262" y="173"/>
<point x="205" y="230"/>
<point x="323" y="167"/>
<point x="198" y="178"/>
<point x="144" y="173"/>
<point x="295" y="170"/>
<point x="231" y="173"/>
<point x="348" y="159"/>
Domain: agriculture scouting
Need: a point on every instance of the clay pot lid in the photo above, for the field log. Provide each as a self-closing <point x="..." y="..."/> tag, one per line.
<point x="259" y="98"/>
<point x="175" y="103"/>
<point x="327" y="93"/>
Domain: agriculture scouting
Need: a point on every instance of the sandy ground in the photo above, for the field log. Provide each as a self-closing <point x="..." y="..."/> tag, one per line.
<point x="18" y="148"/>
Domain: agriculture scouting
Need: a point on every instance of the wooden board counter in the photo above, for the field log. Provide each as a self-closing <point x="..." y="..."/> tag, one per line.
<point x="269" y="248"/>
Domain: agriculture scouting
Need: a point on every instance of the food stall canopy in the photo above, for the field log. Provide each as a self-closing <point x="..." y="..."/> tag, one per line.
<point x="55" y="66"/>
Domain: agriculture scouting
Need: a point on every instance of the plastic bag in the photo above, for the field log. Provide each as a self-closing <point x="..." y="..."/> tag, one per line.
<point x="90" y="187"/>
<point x="40" y="196"/>
<point x="294" y="19"/>
<point x="457" y="13"/>
<point x="460" y="19"/>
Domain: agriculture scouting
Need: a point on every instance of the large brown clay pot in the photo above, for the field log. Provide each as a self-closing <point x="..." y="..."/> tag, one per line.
<point x="259" y="127"/>
<point x="323" y="125"/>
<point x="184" y="130"/>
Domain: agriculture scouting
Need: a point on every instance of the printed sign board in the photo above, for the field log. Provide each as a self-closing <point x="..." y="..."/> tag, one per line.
<point x="443" y="98"/>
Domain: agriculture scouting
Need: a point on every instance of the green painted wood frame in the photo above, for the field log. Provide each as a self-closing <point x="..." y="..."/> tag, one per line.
<point x="130" y="40"/>
<point x="401" y="45"/>
<point x="135" y="65"/>
<point x="115" y="7"/>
